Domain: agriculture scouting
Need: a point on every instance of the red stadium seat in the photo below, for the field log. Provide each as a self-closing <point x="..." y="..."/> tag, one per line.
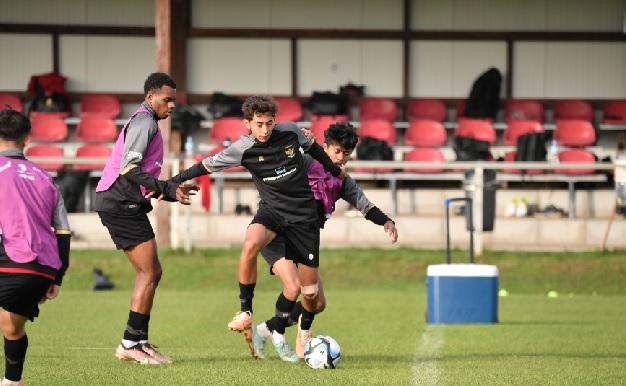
<point x="576" y="155"/>
<point x="319" y="126"/>
<point x="425" y="154"/>
<point x="425" y="133"/>
<point x="100" y="104"/>
<point x="524" y="109"/>
<point x="229" y="127"/>
<point x="60" y="114"/>
<point x="92" y="151"/>
<point x="572" y="109"/>
<point x="480" y="129"/>
<point x="575" y="133"/>
<point x="516" y="128"/>
<point x="96" y="128"/>
<point x="379" y="129"/>
<point x="216" y="150"/>
<point x="289" y="109"/>
<point x="48" y="128"/>
<point x="425" y="108"/>
<point x="614" y="112"/>
<point x="46" y="151"/>
<point x="11" y="100"/>
<point x="378" y="108"/>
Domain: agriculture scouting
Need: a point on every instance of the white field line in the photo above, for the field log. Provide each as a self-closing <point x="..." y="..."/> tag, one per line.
<point x="425" y="369"/>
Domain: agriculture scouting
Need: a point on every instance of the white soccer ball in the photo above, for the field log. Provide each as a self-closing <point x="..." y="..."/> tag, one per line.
<point x="322" y="352"/>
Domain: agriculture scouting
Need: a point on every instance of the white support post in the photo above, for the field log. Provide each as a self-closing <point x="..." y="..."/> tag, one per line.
<point x="479" y="185"/>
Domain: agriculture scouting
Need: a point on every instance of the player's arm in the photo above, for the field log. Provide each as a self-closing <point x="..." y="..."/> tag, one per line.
<point x="353" y="194"/>
<point x="61" y="227"/>
<point x="227" y="158"/>
<point x="136" y="140"/>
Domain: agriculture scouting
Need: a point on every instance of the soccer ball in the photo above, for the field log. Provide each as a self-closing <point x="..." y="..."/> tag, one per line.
<point x="322" y="352"/>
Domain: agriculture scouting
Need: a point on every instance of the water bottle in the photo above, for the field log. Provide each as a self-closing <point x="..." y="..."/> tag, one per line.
<point x="554" y="152"/>
<point x="189" y="161"/>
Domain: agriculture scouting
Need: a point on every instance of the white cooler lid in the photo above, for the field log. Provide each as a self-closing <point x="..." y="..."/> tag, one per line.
<point x="478" y="270"/>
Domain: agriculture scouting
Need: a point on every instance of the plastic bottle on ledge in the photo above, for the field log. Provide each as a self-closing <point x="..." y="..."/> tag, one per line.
<point x="554" y="152"/>
<point x="189" y="152"/>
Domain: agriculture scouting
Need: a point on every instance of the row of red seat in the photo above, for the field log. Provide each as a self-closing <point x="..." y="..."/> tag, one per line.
<point x="426" y="136"/>
<point x="92" y="104"/>
<point x="614" y="112"/>
<point x="47" y="129"/>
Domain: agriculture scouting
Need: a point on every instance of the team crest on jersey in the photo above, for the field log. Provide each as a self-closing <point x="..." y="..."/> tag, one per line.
<point x="289" y="150"/>
<point x="261" y="159"/>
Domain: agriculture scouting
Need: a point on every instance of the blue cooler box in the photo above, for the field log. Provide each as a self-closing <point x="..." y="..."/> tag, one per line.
<point x="462" y="293"/>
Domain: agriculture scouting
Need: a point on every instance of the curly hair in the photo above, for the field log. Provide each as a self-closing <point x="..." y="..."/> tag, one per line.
<point x="259" y="104"/>
<point x="156" y="80"/>
<point x="342" y="134"/>
<point x="14" y="126"/>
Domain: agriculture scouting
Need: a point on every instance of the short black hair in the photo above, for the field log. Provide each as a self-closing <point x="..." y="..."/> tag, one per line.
<point x="342" y="134"/>
<point x="259" y="104"/>
<point x="156" y="80"/>
<point x="14" y="126"/>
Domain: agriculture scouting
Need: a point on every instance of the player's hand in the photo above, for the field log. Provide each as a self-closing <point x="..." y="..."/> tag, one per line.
<point x="151" y="193"/>
<point x="186" y="190"/>
<point x="308" y="133"/>
<point x="392" y="231"/>
<point x="343" y="173"/>
<point x="52" y="293"/>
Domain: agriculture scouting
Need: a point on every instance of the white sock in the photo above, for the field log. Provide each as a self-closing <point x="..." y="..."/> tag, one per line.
<point x="277" y="338"/>
<point x="143" y="341"/>
<point x="6" y="382"/>
<point x="128" y="343"/>
<point x="263" y="331"/>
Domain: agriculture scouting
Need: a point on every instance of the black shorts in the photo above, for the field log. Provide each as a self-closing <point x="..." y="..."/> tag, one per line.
<point x="299" y="241"/>
<point x="20" y="293"/>
<point x="127" y="230"/>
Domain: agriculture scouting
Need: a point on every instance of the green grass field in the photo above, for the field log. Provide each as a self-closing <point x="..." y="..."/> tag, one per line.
<point x="376" y="306"/>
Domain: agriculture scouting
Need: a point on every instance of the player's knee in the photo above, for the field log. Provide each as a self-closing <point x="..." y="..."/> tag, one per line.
<point x="251" y="248"/>
<point x="321" y="305"/>
<point x="291" y="290"/>
<point x="310" y="291"/>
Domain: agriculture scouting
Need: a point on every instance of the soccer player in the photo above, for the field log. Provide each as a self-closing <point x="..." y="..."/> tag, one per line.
<point x="272" y="155"/>
<point x="34" y="241"/>
<point x="340" y="139"/>
<point x="131" y="170"/>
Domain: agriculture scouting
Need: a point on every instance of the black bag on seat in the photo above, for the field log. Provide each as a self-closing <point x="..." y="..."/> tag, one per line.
<point x="372" y="149"/>
<point x="223" y="105"/>
<point x="470" y="149"/>
<point x="327" y="103"/>
<point x="531" y="147"/>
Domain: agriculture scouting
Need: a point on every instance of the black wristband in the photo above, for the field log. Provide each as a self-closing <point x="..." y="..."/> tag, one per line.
<point x="377" y="216"/>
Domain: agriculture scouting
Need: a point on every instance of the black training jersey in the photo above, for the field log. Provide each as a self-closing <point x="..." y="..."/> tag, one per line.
<point x="277" y="167"/>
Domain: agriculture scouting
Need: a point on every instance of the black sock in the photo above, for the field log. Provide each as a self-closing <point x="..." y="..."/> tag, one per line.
<point x="143" y="335"/>
<point x="283" y="309"/>
<point x="271" y="324"/>
<point x="14" y="356"/>
<point x="295" y="315"/>
<point x="246" y="293"/>
<point x="136" y="323"/>
<point x="307" y="319"/>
